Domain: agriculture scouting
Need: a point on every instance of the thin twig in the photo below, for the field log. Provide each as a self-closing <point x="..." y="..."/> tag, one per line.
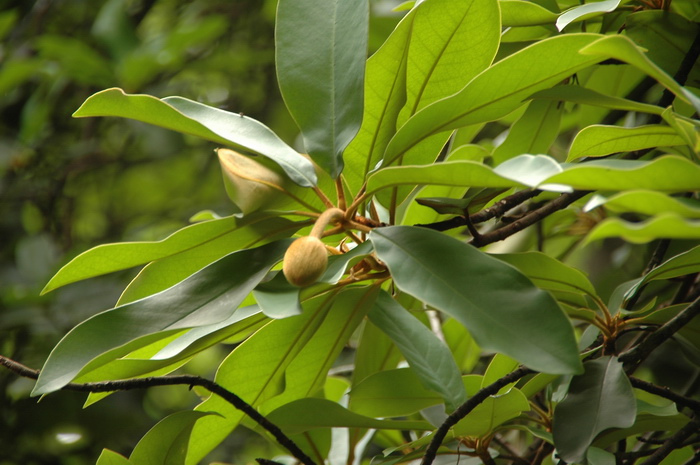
<point x="633" y="357"/>
<point x="187" y="380"/>
<point x="464" y="409"/>
<point x="673" y="443"/>
<point x="666" y="393"/>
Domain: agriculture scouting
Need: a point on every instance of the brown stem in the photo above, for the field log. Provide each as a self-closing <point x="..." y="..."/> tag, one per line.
<point x="187" y="380"/>
<point x="633" y="357"/>
<point x="464" y="409"/>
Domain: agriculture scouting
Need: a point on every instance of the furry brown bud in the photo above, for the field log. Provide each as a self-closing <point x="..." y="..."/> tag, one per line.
<point x="305" y="261"/>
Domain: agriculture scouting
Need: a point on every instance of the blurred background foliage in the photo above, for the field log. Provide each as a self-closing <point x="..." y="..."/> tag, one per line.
<point x="69" y="184"/>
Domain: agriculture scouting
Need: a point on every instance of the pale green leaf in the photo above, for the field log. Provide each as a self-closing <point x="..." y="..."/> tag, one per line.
<point x="647" y="203"/>
<point x="583" y="12"/>
<point x="599" y="399"/>
<point x="392" y="393"/>
<point x="498" y="90"/>
<point x="599" y="140"/>
<point x="668" y="173"/>
<point x="518" y="13"/>
<point x="530" y="170"/>
<point x="622" y="48"/>
<point x="207" y="297"/>
<point x="502" y="309"/>
<point x="203" y="238"/>
<point x="189" y="117"/>
<point x="586" y="96"/>
<point x="680" y="265"/>
<point x="305" y="414"/>
<point x="534" y="132"/>
<point x="664" y="226"/>
<point x="108" y="457"/>
<point x="425" y="353"/>
<point x="320" y="53"/>
<point x="166" y="442"/>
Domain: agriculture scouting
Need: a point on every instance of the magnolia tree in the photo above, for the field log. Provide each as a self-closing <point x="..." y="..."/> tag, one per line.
<point x="563" y="129"/>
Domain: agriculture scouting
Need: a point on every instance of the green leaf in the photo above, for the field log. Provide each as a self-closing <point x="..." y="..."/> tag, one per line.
<point x="585" y="96"/>
<point x="207" y="297"/>
<point x="599" y="140"/>
<point x="278" y="298"/>
<point x="166" y="442"/>
<point x="451" y="42"/>
<point x="583" y="12"/>
<point x="264" y="367"/>
<point x="530" y="170"/>
<point x="667" y="37"/>
<point x="647" y="203"/>
<point x="194" y="243"/>
<point x="492" y="412"/>
<point x="498" y="90"/>
<point x="305" y="414"/>
<point x="375" y="353"/>
<point x="320" y="52"/>
<point x="393" y="393"/>
<point x="502" y="309"/>
<point x="622" y="48"/>
<point x="450" y="173"/>
<point x="668" y="173"/>
<point x="108" y="457"/>
<point x="533" y="133"/>
<point x="425" y="353"/>
<point x="338" y="264"/>
<point x="549" y="273"/>
<point x="385" y="95"/>
<point x="516" y="13"/>
<point x="189" y="117"/>
<point x="665" y="226"/>
<point x="599" y="399"/>
<point x="680" y="265"/>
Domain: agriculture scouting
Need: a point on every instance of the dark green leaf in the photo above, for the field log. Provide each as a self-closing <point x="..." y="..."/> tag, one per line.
<point x="502" y="309"/>
<point x="425" y="353"/>
<point x="599" y="399"/>
<point x="320" y="49"/>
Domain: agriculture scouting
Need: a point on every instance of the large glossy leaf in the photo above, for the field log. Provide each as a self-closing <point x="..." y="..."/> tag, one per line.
<point x="207" y="297"/>
<point x="260" y="369"/>
<point x="166" y="442"/>
<point x="599" y="399"/>
<point x="665" y="226"/>
<point x="498" y="90"/>
<point x="599" y="140"/>
<point x="320" y="52"/>
<point x="305" y="414"/>
<point x="502" y="309"/>
<point x="393" y="393"/>
<point x="189" y="117"/>
<point x="533" y="133"/>
<point x="425" y="353"/>
<point x="208" y="240"/>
